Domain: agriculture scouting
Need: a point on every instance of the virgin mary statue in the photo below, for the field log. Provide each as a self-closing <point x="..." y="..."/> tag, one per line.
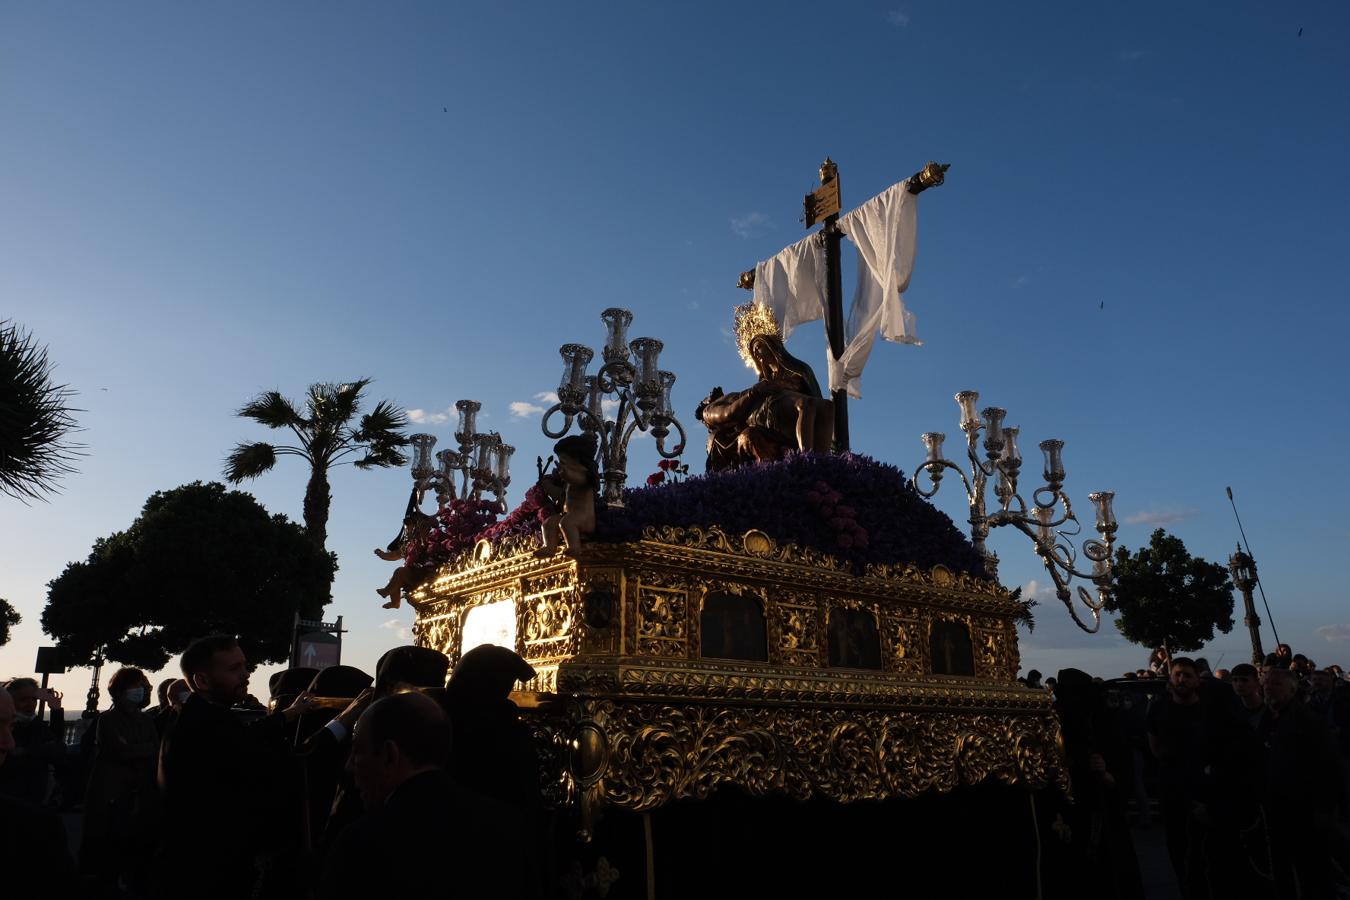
<point x="781" y="412"/>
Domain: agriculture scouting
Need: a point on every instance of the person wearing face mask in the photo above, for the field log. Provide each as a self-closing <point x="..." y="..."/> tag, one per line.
<point x="120" y="805"/>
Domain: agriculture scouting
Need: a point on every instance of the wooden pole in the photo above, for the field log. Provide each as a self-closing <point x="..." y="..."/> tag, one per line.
<point x="834" y="298"/>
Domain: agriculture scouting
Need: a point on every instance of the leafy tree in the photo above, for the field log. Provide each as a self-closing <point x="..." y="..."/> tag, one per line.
<point x="9" y="617"/>
<point x="199" y="559"/>
<point x="324" y="438"/>
<point x="1165" y="597"/>
<point x="34" y="418"/>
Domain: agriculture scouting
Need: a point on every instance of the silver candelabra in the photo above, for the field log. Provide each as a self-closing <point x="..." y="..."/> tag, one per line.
<point x="481" y="464"/>
<point x="630" y="375"/>
<point x="1041" y="522"/>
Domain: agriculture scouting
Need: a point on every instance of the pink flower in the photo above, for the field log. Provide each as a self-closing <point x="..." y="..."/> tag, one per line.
<point x="656" y="478"/>
<point x="827" y="511"/>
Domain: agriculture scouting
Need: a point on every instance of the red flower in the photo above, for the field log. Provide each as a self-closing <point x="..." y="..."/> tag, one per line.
<point x="667" y="464"/>
<point x="656" y="478"/>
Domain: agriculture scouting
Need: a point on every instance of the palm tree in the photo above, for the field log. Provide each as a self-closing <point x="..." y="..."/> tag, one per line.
<point x="34" y="418"/>
<point x="324" y="438"/>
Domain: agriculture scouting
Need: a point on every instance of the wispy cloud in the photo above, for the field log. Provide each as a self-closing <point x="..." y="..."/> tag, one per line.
<point x="1334" y="633"/>
<point x="399" y="627"/>
<point x="898" y="18"/>
<point x="1022" y="280"/>
<point x="749" y="224"/>
<point x="427" y="417"/>
<point x="523" y="409"/>
<point x="1034" y="590"/>
<point x="1165" y="516"/>
<point x="1133" y="56"/>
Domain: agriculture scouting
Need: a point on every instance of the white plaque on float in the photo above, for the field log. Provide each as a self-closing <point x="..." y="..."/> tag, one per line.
<point x="490" y="623"/>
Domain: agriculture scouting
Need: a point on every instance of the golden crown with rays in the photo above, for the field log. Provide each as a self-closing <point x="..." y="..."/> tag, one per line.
<point x="753" y="320"/>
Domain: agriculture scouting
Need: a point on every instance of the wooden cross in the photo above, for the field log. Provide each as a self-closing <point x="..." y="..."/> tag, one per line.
<point x="823" y="205"/>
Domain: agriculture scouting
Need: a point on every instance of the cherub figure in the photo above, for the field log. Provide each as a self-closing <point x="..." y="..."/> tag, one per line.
<point x="417" y="525"/>
<point x="573" y="485"/>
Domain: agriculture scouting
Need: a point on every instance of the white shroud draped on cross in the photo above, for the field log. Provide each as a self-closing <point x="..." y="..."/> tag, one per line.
<point x="792" y="283"/>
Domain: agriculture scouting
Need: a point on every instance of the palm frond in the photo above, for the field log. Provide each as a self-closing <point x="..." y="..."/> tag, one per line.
<point x="249" y="461"/>
<point x="347" y="398"/>
<point x="34" y="418"/>
<point x="381" y="457"/>
<point x="383" y="424"/>
<point x="274" y="411"/>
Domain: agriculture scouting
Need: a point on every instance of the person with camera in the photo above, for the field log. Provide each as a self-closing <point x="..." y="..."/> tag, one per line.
<point x="37" y="745"/>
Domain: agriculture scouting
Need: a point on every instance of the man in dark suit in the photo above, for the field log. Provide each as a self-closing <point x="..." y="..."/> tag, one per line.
<point x="422" y="835"/>
<point x="221" y="778"/>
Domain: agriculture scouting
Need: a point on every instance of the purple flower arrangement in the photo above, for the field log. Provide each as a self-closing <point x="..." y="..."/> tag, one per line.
<point x="848" y="505"/>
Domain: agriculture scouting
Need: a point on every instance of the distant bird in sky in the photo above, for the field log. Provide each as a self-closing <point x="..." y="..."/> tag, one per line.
<point x="1103" y="306"/>
<point x="444" y="109"/>
<point x="1300" y="32"/>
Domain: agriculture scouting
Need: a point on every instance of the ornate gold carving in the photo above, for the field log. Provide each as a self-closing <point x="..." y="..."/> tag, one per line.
<point x="601" y="601"/>
<point x="764" y="547"/>
<point x="794" y="629"/>
<point x="903" y="645"/>
<point x="757" y="543"/>
<point x="440" y="632"/>
<point x="548" y="618"/>
<point x="663" y="621"/>
<point x="664" y="752"/>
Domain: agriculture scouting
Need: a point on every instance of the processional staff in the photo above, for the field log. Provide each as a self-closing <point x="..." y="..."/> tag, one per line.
<point x="823" y="205"/>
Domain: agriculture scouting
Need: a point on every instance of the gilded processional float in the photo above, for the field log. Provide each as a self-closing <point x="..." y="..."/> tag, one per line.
<point x="796" y="628"/>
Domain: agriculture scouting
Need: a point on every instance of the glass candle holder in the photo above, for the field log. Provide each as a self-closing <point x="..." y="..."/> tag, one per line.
<point x="467" y="426"/>
<point x="1106" y="517"/>
<point x="1044" y="515"/>
<point x="484" y="449"/>
<point x="647" y="353"/>
<point x="664" y="409"/>
<point x="594" y="404"/>
<point x="1011" y="458"/>
<point x="1054" y="462"/>
<point x="993" y="426"/>
<point x="421" y="447"/>
<point x="616" y="339"/>
<point x="502" y="461"/>
<point x="449" y="463"/>
<point x="932" y="442"/>
<point x="575" y="359"/>
<point x="967" y="400"/>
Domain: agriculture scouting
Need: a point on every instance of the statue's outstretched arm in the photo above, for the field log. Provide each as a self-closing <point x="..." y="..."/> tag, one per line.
<point x="731" y="409"/>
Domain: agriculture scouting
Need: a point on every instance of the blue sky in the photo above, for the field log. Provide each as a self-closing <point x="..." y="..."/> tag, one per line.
<point x="1139" y="248"/>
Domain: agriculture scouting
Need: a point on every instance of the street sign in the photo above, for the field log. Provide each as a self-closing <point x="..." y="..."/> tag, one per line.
<point x="50" y="661"/>
<point x="822" y="203"/>
<point x="319" y="650"/>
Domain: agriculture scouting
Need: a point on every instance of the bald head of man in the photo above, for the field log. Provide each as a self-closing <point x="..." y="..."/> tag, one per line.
<point x="398" y="738"/>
